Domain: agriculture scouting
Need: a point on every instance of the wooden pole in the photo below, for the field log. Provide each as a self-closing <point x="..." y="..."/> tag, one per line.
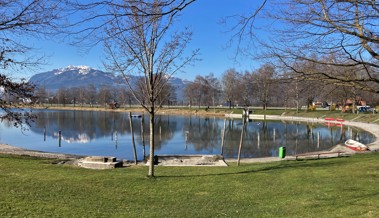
<point x="60" y="137"/>
<point x="44" y="134"/>
<point x="186" y="139"/>
<point x="116" y="138"/>
<point x="143" y="135"/>
<point x="241" y="141"/>
<point x="223" y="138"/>
<point x="132" y="133"/>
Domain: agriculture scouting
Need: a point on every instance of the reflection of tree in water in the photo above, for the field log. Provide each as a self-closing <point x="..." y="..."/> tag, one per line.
<point x="165" y="130"/>
<point x="298" y="138"/>
<point x="97" y="124"/>
<point x="93" y="124"/>
<point x="203" y="133"/>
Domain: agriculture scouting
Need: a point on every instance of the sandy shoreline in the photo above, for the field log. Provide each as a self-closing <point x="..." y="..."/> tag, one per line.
<point x="9" y="149"/>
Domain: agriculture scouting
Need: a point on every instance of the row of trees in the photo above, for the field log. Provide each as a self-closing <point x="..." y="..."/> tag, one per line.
<point x="102" y="96"/>
<point x="264" y="87"/>
<point x="86" y="95"/>
<point x="267" y="86"/>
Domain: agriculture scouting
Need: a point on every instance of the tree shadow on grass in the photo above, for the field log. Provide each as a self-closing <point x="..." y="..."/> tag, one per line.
<point x="254" y="168"/>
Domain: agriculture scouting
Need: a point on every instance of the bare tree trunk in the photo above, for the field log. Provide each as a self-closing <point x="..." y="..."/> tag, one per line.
<point x="151" y="157"/>
<point x="265" y="111"/>
<point x="132" y="133"/>
<point x="143" y="135"/>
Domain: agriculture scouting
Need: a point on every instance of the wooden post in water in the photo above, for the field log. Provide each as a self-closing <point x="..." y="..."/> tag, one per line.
<point x="44" y="134"/>
<point x="160" y="132"/>
<point x="116" y="137"/>
<point x="59" y="137"/>
<point x="318" y="139"/>
<point x="186" y="139"/>
<point x="132" y="133"/>
<point x="241" y="141"/>
<point x="274" y="134"/>
<point x="223" y="138"/>
<point x="143" y="135"/>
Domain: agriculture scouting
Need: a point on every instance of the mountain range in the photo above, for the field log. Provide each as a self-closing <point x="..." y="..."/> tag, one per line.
<point x="81" y="76"/>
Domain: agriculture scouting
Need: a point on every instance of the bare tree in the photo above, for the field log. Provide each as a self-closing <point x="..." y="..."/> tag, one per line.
<point x="137" y="44"/>
<point x="41" y="94"/>
<point x="20" y="20"/>
<point x="104" y="95"/>
<point x="246" y="93"/>
<point x="205" y="90"/>
<point x="231" y="86"/>
<point x="98" y="14"/>
<point x="61" y="96"/>
<point x="190" y="94"/>
<point x="124" y="96"/>
<point x="212" y="86"/>
<point x="167" y="95"/>
<point x="18" y="92"/>
<point x="194" y="91"/>
<point x="316" y="30"/>
<point x="263" y="79"/>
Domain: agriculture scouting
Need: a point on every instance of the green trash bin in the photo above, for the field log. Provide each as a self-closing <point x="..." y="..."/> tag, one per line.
<point x="282" y="152"/>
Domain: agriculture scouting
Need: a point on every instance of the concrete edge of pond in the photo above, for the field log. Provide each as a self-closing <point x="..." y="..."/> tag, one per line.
<point x="190" y="160"/>
<point x="369" y="127"/>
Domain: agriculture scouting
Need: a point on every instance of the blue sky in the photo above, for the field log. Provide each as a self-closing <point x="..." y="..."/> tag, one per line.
<point x="209" y="35"/>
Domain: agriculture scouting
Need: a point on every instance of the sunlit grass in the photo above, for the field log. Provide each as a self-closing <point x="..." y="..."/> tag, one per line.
<point x="341" y="187"/>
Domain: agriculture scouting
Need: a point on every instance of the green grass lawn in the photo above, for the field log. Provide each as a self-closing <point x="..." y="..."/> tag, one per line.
<point x="340" y="187"/>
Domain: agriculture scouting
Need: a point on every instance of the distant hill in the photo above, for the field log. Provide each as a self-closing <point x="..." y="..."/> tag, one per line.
<point x="73" y="76"/>
<point x="79" y="76"/>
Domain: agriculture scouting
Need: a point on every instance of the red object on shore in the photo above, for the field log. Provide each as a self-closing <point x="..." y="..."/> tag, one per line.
<point x="355" y="145"/>
<point x="329" y="118"/>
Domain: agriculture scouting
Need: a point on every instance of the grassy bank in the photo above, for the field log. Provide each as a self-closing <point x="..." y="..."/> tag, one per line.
<point x="342" y="187"/>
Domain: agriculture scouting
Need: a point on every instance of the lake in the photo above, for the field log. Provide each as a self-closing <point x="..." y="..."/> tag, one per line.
<point x="109" y="134"/>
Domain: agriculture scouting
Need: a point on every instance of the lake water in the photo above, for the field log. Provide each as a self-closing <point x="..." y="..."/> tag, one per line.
<point x="109" y="134"/>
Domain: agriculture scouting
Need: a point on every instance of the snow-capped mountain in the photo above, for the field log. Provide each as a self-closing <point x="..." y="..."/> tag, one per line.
<point x="73" y="76"/>
<point x="81" y="76"/>
<point x="83" y="70"/>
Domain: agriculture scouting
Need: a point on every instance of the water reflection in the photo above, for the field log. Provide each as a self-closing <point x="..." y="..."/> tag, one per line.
<point x="108" y="133"/>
